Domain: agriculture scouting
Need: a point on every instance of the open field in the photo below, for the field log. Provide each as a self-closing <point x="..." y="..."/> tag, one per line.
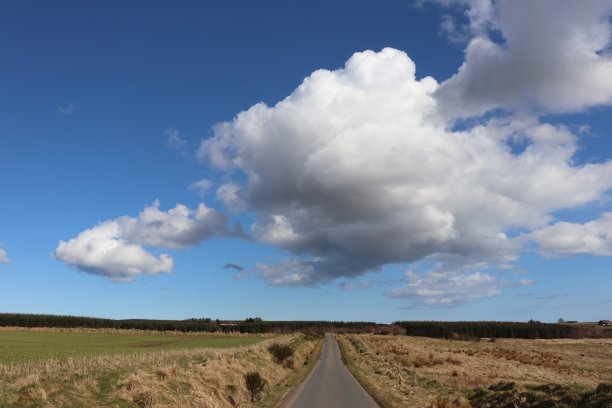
<point x="415" y="371"/>
<point x="192" y="377"/>
<point x="18" y="345"/>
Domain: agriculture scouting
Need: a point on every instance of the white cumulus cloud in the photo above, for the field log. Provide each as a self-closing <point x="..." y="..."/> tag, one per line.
<point x="115" y="248"/>
<point x="357" y="169"/>
<point x="568" y="238"/>
<point x="102" y="250"/>
<point x="554" y="56"/>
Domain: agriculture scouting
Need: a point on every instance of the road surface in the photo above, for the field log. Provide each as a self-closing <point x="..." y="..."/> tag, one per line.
<point x="331" y="385"/>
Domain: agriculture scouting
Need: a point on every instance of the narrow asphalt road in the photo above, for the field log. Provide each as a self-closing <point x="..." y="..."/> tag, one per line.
<point x="331" y="385"/>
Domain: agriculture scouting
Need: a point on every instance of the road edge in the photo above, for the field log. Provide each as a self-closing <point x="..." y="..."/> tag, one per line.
<point x="303" y="374"/>
<point x="353" y="369"/>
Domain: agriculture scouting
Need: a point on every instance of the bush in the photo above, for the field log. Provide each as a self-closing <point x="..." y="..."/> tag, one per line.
<point x="280" y="352"/>
<point x="254" y="383"/>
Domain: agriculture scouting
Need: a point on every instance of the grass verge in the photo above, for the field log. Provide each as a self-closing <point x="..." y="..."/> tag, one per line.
<point x="278" y="395"/>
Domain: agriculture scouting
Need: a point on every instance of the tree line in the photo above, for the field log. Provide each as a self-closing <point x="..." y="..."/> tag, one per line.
<point x="250" y="325"/>
<point x="449" y="330"/>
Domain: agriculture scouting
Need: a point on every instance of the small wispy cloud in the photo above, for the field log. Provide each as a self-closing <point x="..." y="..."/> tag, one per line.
<point x="442" y="287"/>
<point x="4" y="259"/>
<point x="454" y="32"/>
<point x="233" y="266"/>
<point x="554" y="296"/>
<point x="174" y="140"/>
<point x="240" y="271"/>
<point x="527" y="282"/>
<point x="66" y="109"/>
<point x="348" y="285"/>
<point x="201" y="186"/>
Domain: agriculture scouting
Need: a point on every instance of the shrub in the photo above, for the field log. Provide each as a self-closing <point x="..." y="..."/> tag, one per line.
<point x="255" y="383"/>
<point x="280" y="352"/>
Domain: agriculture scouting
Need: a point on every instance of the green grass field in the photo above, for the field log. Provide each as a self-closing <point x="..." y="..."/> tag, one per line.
<point x="25" y="346"/>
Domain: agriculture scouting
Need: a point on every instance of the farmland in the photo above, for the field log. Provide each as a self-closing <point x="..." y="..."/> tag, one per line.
<point x="417" y="371"/>
<point x="20" y="345"/>
<point x="48" y="368"/>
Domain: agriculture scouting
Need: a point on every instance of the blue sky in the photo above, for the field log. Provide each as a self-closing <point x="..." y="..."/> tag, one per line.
<point x="476" y="187"/>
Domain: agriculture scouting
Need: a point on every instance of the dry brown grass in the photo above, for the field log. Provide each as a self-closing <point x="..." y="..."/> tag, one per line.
<point x="186" y="378"/>
<point x="417" y="371"/>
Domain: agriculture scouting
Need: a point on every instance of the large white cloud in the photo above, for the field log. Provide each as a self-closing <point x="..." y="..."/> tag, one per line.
<point x="357" y="169"/>
<point x="114" y="248"/>
<point x="568" y="238"/>
<point x="4" y="259"/>
<point x="102" y="250"/>
<point x="555" y="56"/>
